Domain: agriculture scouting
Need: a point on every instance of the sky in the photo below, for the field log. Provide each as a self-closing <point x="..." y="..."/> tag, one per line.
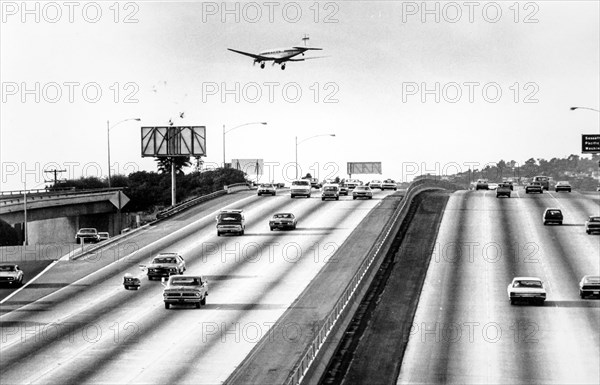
<point x="422" y="87"/>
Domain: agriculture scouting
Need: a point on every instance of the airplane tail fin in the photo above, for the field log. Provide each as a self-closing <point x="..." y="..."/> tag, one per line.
<point x="305" y="39"/>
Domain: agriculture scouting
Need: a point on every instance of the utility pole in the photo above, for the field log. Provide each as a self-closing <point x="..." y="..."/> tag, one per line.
<point x="55" y="172"/>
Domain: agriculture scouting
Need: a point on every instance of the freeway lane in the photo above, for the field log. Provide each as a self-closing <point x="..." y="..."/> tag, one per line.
<point x="466" y="331"/>
<point x="94" y="331"/>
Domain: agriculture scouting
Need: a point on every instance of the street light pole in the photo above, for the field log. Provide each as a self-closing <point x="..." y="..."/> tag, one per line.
<point x="231" y="129"/>
<point x="302" y="141"/>
<point x="108" y="128"/>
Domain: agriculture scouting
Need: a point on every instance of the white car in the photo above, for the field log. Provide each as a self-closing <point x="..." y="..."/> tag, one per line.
<point x="11" y="274"/>
<point x="375" y="184"/>
<point x="266" y="188"/>
<point x="530" y="289"/>
<point x="300" y="187"/>
<point x="389" y="184"/>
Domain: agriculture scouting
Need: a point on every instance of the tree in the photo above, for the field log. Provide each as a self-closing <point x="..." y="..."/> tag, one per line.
<point x="164" y="164"/>
<point x="8" y="235"/>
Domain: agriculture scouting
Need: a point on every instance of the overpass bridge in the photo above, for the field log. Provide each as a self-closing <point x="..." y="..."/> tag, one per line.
<point x="55" y="216"/>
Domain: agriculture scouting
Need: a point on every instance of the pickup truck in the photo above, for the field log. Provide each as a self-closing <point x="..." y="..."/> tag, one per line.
<point x="185" y="289"/>
<point x="503" y="189"/>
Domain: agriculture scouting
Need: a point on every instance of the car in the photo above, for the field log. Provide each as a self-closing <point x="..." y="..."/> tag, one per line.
<point x="562" y="186"/>
<point x="510" y="183"/>
<point x="87" y="234"/>
<point x="231" y="222"/>
<point x="352" y="183"/>
<point x="103" y="236"/>
<point x="534" y="187"/>
<point x="482" y="184"/>
<point x="129" y="281"/>
<point x="330" y="191"/>
<point x="185" y="289"/>
<point x="279" y="185"/>
<point x="343" y="189"/>
<point x="165" y="265"/>
<point x="375" y="184"/>
<point x="543" y="180"/>
<point x="530" y="289"/>
<point x="503" y="189"/>
<point x="552" y="215"/>
<point x="266" y="188"/>
<point x="300" y="187"/>
<point x="362" y="192"/>
<point x="592" y="224"/>
<point x="11" y="274"/>
<point x="283" y="221"/>
<point x="589" y="286"/>
<point x="314" y="182"/>
<point x="389" y="184"/>
<point x="493" y="186"/>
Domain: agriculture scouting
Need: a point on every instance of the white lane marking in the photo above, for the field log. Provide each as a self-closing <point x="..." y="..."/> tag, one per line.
<point x="172" y="235"/>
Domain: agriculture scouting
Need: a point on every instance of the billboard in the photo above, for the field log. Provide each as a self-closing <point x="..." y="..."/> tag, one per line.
<point x="249" y="166"/>
<point x="590" y="144"/>
<point x="364" y="168"/>
<point x="164" y="141"/>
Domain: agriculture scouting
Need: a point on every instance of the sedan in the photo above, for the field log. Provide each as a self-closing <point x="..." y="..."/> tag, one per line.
<point x="592" y="224"/>
<point x="283" y="221"/>
<point x="362" y="192"/>
<point x="266" y="188"/>
<point x="589" y="286"/>
<point x="552" y="216"/>
<point x="389" y="184"/>
<point x="562" y="186"/>
<point x="534" y="187"/>
<point x="375" y="184"/>
<point x="165" y="265"/>
<point x="11" y="274"/>
<point x="530" y="289"/>
<point x="343" y="189"/>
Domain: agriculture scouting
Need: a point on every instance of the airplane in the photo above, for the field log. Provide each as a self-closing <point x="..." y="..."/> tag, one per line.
<point x="281" y="55"/>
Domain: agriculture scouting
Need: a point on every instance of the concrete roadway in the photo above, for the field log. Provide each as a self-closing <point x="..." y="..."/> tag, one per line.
<point x="466" y="332"/>
<point x="94" y="331"/>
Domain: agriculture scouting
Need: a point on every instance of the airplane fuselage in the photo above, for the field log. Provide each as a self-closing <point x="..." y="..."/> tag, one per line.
<point x="281" y="53"/>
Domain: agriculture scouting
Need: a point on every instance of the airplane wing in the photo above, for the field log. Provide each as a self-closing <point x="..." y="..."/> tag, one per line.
<point x="258" y="57"/>
<point x="308" y="58"/>
<point x="308" y="48"/>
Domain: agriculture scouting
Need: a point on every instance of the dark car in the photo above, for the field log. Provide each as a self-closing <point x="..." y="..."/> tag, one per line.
<point x="592" y="225"/>
<point x="552" y="215"/>
<point x="482" y="184"/>
<point x="343" y="189"/>
<point x="503" y="189"/>
<point x="589" y="286"/>
<point x="283" y="221"/>
<point x="231" y="221"/>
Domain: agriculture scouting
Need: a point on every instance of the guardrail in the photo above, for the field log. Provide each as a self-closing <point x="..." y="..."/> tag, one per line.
<point x="347" y="298"/>
<point x="188" y="203"/>
<point x="11" y="197"/>
<point x="236" y="187"/>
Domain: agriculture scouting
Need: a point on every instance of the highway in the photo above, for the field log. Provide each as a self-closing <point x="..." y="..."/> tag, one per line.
<point x="466" y="332"/>
<point x="94" y="331"/>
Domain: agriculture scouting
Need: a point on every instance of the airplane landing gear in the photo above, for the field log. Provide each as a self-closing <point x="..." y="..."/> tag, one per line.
<point x="262" y="65"/>
<point x="283" y="66"/>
